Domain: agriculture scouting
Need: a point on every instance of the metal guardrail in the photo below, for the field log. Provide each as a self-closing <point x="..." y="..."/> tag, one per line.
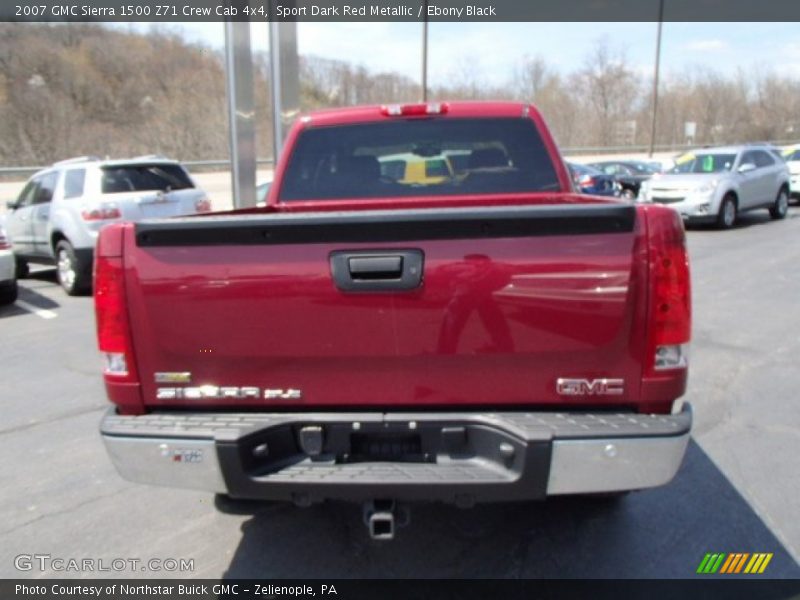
<point x="638" y="149"/>
<point x="203" y="165"/>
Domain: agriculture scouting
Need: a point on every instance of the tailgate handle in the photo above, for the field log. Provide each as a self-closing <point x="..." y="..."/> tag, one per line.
<point x="371" y="271"/>
<point x="376" y="267"/>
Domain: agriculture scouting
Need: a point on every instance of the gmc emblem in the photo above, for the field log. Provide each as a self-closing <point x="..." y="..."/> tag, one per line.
<point x="590" y="387"/>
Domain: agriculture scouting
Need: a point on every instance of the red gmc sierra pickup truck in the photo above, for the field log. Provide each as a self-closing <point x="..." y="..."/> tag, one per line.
<point x="424" y="310"/>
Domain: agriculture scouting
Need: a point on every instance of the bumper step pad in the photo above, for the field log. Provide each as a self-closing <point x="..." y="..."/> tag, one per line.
<point x="457" y="457"/>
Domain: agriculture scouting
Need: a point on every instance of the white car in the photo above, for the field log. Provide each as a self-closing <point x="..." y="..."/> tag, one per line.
<point x="714" y="185"/>
<point x="262" y="189"/>
<point x="8" y="281"/>
<point x="792" y="157"/>
<point x="57" y="216"/>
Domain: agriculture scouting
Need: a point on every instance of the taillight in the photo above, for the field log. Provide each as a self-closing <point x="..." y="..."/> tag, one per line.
<point x="102" y="212"/>
<point x="586" y="181"/>
<point x="412" y="110"/>
<point x="5" y="243"/>
<point x="113" y="327"/>
<point x="203" y="205"/>
<point x="670" y="290"/>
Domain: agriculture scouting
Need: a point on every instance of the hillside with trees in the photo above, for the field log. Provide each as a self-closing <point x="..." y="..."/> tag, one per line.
<point x="74" y="89"/>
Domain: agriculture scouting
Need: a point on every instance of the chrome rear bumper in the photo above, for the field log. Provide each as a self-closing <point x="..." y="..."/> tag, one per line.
<point x="451" y="457"/>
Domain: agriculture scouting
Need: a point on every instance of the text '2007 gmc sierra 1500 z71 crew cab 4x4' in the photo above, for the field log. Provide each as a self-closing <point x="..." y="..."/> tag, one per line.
<point x="480" y="332"/>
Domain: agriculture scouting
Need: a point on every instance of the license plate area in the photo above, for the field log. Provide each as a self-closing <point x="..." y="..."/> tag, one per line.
<point x="311" y="458"/>
<point x="386" y="447"/>
<point x="156" y="210"/>
<point x="331" y="443"/>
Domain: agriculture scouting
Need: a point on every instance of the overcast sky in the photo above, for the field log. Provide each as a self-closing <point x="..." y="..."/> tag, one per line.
<point x="492" y="50"/>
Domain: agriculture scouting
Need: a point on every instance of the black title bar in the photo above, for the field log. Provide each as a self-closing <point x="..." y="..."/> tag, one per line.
<point x="391" y="589"/>
<point x="399" y="10"/>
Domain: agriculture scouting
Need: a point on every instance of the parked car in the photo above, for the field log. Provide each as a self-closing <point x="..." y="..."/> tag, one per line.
<point x="60" y="211"/>
<point x="589" y="180"/>
<point x="659" y="165"/>
<point x="716" y="184"/>
<point x="8" y="279"/>
<point x="262" y="189"/>
<point x="495" y="337"/>
<point x="791" y="156"/>
<point x="628" y="173"/>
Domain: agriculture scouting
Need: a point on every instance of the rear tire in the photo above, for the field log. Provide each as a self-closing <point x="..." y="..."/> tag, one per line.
<point x="781" y="207"/>
<point x="73" y="276"/>
<point x="727" y="212"/>
<point x="8" y="293"/>
<point x="23" y="270"/>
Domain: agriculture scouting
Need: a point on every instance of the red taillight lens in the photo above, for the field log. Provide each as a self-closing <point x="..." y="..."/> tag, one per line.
<point x="5" y="243"/>
<point x="670" y="290"/>
<point x="113" y="328"/>
<point x="672" y="318"/>
<point x="413" y="110"/>
<point x="104" y="212"/>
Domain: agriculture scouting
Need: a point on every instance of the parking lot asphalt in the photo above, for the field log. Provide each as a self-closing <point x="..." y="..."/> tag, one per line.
<point x="736" y="492"/>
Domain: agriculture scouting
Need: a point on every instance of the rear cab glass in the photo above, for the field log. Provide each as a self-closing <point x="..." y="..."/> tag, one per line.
<point x="118" y="179"/>
<point x="416" y="158"/>
<point x="437" y="168"/>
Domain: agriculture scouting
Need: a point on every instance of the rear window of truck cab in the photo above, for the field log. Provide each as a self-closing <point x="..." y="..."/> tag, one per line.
<point x="416" y="157"/>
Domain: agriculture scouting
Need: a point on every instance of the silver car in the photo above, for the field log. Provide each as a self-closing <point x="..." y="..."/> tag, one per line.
<point x="61" y="209"/>
<point x="8" y="281"/>
<point x="792" y="157"/>
<point x="716" y="184"/>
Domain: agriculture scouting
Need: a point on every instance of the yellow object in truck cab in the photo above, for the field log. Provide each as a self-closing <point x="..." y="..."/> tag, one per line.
<point x="411" y="169"/>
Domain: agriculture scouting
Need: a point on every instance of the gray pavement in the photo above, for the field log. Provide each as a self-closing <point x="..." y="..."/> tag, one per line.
<point x="737" y="491"/>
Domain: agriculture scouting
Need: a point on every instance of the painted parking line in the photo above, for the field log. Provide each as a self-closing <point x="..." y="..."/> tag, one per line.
<point x="40" y="312"/>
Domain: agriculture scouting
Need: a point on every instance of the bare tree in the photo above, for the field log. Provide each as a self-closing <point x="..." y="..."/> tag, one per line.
<point x="77" y="88"/>
<point x="609" y="91"/>
<point x="535" y="82"/>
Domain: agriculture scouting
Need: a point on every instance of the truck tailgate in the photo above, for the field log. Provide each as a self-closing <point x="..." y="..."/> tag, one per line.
<point x="506" y="301"/>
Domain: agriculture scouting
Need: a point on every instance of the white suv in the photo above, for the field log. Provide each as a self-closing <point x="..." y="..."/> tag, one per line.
<point x="792" y="157"/>
<point x="58" y="214"/>
<point x="8" y="281"/>
<point x="716" y="184"/>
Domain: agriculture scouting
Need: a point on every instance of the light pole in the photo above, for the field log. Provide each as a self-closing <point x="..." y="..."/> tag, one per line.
<point x="425" y="51"/>
<point x="241" y="112"/>
<point x="655" y="77"/>
<point x="276" y="80"/>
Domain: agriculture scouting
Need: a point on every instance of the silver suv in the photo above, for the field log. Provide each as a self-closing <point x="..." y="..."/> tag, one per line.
<point x="8" y="281"/>
<point x="61" y="209"/>
<point x="715" y="184"/>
